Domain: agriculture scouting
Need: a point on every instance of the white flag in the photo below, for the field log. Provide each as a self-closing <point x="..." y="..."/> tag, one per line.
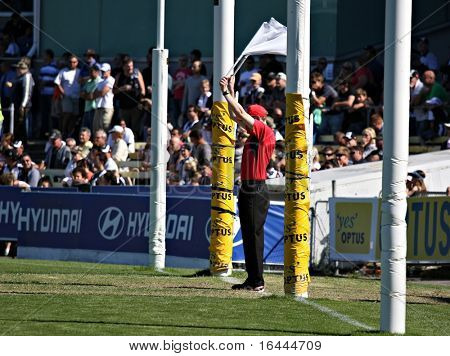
<point x="270" y="38"/>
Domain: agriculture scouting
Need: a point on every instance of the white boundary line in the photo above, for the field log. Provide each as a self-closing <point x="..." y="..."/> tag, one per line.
<point x="314" y="305"/>
<point x="334" y="313"/>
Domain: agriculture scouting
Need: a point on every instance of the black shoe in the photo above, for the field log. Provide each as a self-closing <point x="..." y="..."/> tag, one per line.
<point x="248" y="286"/>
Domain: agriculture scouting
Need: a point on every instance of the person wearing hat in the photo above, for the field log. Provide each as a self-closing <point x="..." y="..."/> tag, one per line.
<point x="244" y="78"/>
<point x="255" y="92"/>
<point x="11" y="163"/>
<point x="350" y="140"/>
<point x="21" y="95"/>
<point x="104" y="96"/>
<point x="278" y="93"/>
<point x="59" y="155"/>
<point x="119" y="148"/>
<point x="253" y="199"/>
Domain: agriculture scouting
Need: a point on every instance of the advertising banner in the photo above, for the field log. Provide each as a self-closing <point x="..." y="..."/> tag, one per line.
<point x="355" y="229"/>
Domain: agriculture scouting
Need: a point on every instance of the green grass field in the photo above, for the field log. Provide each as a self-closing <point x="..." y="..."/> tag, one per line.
<point x="68" y="298"/>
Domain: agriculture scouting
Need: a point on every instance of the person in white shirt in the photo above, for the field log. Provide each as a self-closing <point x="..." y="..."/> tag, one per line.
<point x="127" y="136"/>
<point x="103" y="96"/>
<point x="119" y="148"/>
<point x="416" y="86"/>
<point x="68" y="84"/>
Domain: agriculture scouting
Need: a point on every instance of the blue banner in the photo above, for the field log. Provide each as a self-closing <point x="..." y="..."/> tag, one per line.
<point x="9" y="208"/>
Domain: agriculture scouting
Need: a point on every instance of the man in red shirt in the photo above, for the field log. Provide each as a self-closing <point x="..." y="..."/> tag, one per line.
<point x="253" y="200"/>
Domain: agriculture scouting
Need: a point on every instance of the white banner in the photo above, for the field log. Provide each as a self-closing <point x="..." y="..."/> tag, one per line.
<point x="270" y="38"/>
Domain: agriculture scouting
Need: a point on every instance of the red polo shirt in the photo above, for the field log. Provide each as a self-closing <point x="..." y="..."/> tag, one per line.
<point x="258" y="150"/>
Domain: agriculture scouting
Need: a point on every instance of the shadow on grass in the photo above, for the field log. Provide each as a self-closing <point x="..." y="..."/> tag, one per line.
<point x="178" y="326"/>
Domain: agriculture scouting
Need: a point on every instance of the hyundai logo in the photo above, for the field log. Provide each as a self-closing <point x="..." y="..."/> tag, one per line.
<point x="111" y="223"/>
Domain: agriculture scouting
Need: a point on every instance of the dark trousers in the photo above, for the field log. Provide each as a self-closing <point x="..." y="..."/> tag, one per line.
<point x="253" y="205"/>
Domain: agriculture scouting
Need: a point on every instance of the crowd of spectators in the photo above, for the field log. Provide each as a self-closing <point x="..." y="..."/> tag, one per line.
<point x="66" y="100"/>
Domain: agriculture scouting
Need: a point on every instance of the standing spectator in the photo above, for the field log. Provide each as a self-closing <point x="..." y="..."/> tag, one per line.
<point x="90" y="59"/>
<point x="196" y="55"/>
<point x="22" y="92"/>
<point x="85" y="144"/>
<point x="127" y="136"/>
<point x="119" y="149"/>
<point x="192" y="86"/>
<point x="130" y="88"/>
<point x="180" y="76"/>
<point x="87" y="93"/>
<point x="255" y="93"/>
<point x="28" y="173"/>
<point x="368" y="141"/>
<point x="205" y="100"/>
<point x="193" y="122"/>
<point x="362" y="77"/>
<point x="174" y="149"/>
<point x="47" y="76"/>
<point x="323" y="96"/>
<point x="59" y="155"/>
<point x="147" y="74"/>
<point x="103" y="95"/>
<point x="202" y="150"/>
<point x="8" y="75"/>
<point x="427" y="58"/>
<point x="68" y="84"/>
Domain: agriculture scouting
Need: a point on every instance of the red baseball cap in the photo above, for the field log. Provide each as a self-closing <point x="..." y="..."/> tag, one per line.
<point x="257" y="110"/>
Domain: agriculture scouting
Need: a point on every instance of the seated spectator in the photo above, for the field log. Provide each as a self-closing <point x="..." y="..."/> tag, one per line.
<point x="88" y="168"/>
<point x="206" y="175"/>
<point x="343" y="156"/>
<point x="110" y="178"/>
<point x="368" y="141"/>
<point x="316" y="160"/>
<point x="339" y="138"/>
<point x="244" y="84"/>
<point x="446" y="143"/>
<point x="110" y="164"/>
<point x="7" y="142"/>
<point x="71" y="143"/>
<point x="344" y="101"/>
<point x="29" y="173"/>
<point x="350" y="140"/>
<point x="202" y="150"/>
<point x="328" y="153"/>
<point x="278" y="96"/>
<point x="415" y="184"/>
<point x="59" y="155"/>
<point x="432" y="98"/>
<point x="358" y="113"/>
<point x="189" y="171"/>
<point x="79" y="177"/>
<point x="356" y="154"/>
<point x="99" y="141"/>
<point x="45" y="182"/>
<point x="373" y="156"/>
<point x="186" y="157"/>
<point x="269" y="86"/>
<point x="256" y="92"/>
<point x="85" y="144"/>
<point x="77" y="156"/>
<point x="127" y="136"/>
<point x="19" y="149"/>
<point x="330" y="164"/>
<point x="175" y="145"/>
<point x="376" y="123"/>
<point x="119" y="148"/>
<point x="11" y="163"/>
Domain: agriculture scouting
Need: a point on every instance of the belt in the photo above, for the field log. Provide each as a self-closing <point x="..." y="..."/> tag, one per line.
<point x="253" y="182"/>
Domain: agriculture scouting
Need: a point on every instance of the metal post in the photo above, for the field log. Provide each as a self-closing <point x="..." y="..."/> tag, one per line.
<point x="395" y="164"/>
<point x="223" y="43"/>
<point x="157" y="245"/>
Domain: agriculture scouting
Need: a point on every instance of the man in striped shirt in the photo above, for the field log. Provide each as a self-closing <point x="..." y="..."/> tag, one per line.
<point x="47" y="75"/>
